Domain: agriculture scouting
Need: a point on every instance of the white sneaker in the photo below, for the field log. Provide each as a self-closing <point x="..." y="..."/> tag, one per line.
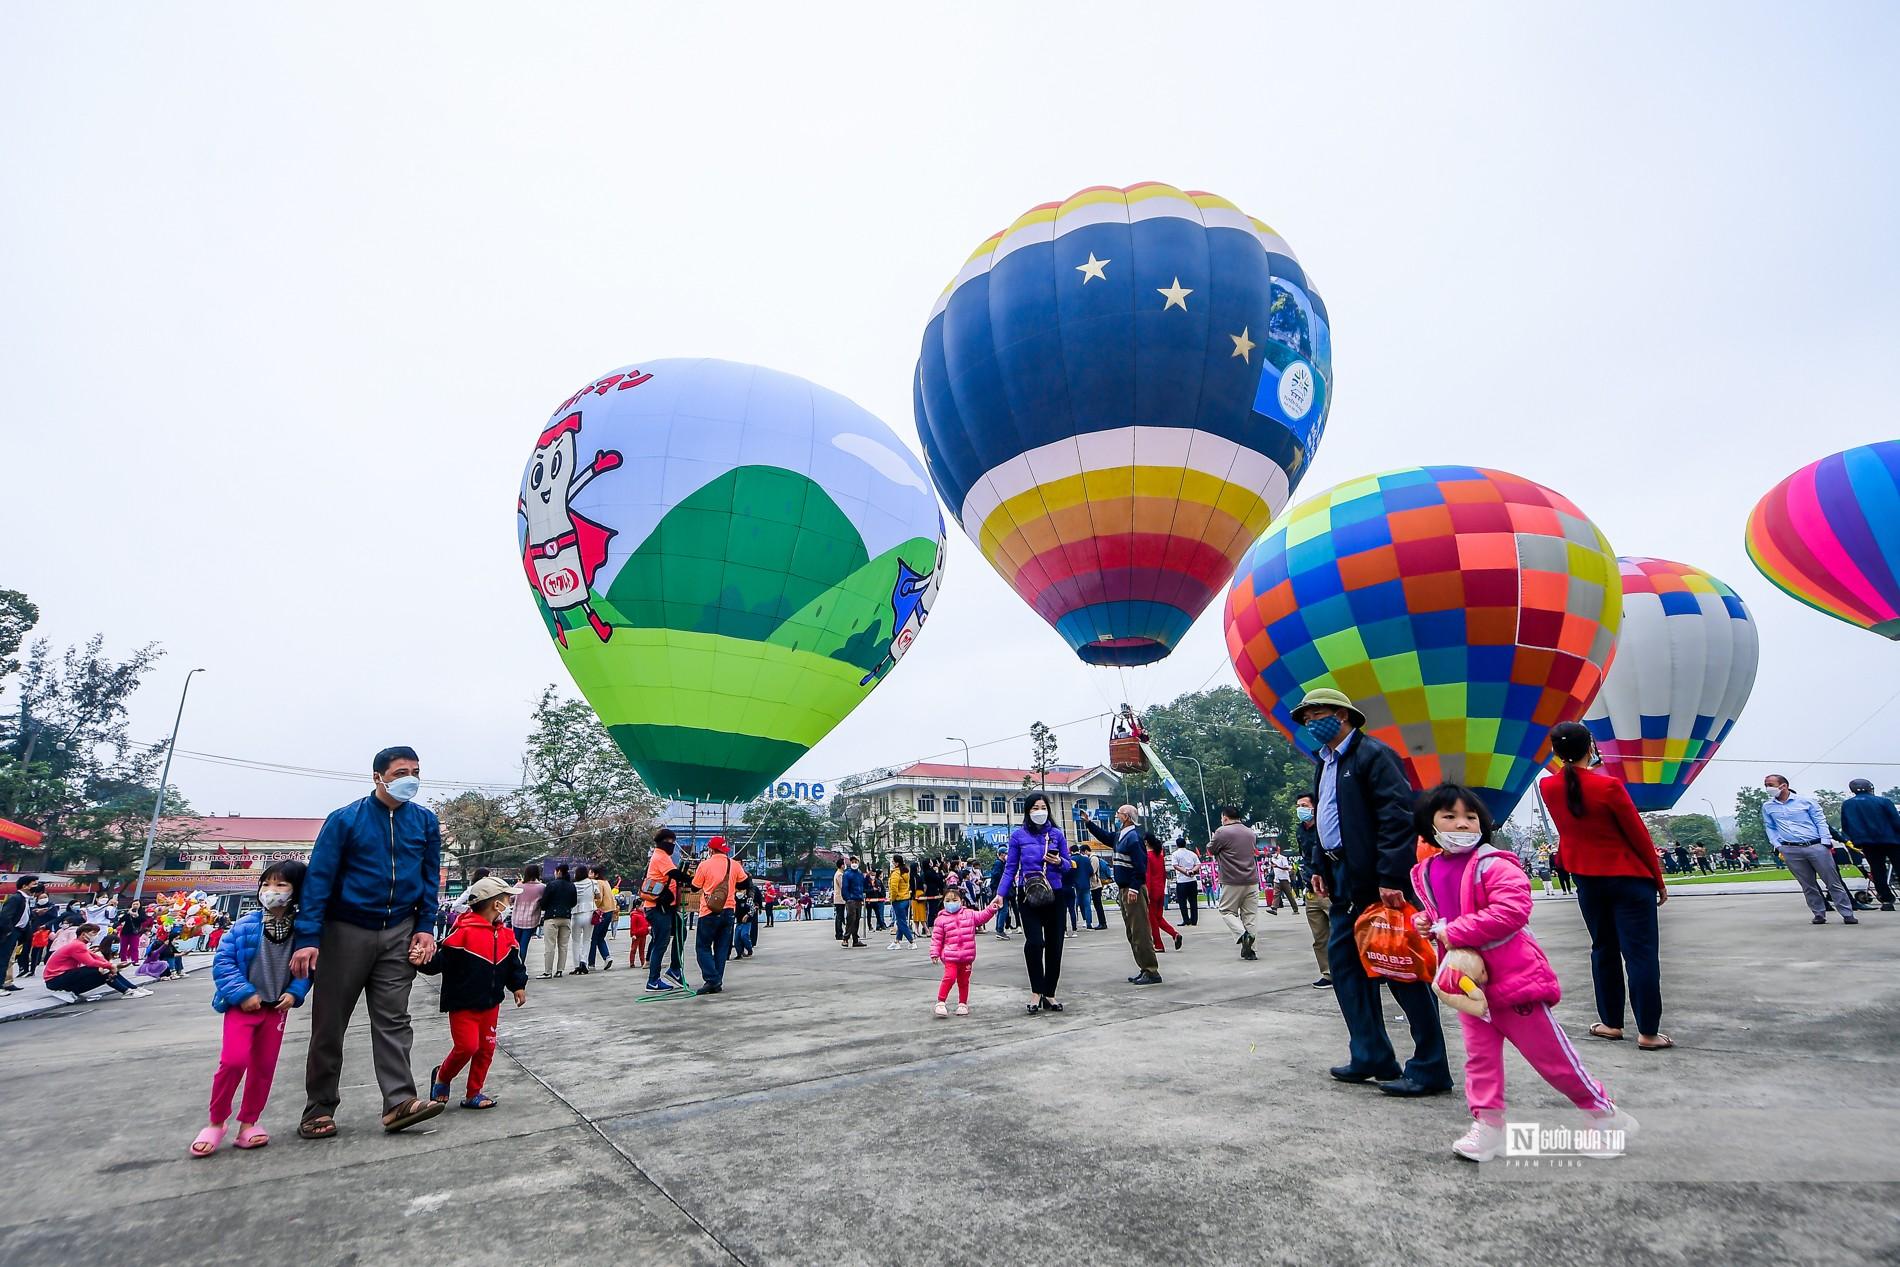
<point x="1481" y="1143"/>
<point x="139" y="993"/>
<point x="963" y="1009"/>
<point x="892" y="946"/>
<point x="1613" y="1121"/>
<point x="942" y="1010"/>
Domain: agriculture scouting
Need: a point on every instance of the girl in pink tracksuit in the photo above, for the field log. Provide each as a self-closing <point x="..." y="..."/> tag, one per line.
<point x="953" y="944"/>
<point x="1477" y="896"/>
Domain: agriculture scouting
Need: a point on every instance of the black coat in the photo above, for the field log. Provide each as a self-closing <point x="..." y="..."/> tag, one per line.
<point x="1376" y="829"/>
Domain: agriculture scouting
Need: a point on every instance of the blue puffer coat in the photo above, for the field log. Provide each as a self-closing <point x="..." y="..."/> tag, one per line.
<point x="231" y="966"/>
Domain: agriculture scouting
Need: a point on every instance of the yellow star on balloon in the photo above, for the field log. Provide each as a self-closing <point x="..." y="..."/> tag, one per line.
<point x="1243" y="345"/>
<point x="1177" y="295"/>
<point x="1093" y="269"/>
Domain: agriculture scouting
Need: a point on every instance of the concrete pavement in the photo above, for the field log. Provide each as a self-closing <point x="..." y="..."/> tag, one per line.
<point x="818" y="1113"/>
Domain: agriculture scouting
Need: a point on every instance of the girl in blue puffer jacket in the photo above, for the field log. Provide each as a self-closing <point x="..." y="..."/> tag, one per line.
<point x="254" y="989"/>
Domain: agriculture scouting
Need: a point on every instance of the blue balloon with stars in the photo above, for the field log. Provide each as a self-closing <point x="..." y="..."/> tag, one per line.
<point x="1116" y="395"/>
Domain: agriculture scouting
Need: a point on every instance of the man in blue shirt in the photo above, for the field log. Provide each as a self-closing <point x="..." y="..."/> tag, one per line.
<point x="364" y="920"/>
<point x="1368" y="842"/>
<point x="1800" y="834"/>
<point x="1872" y="823"/>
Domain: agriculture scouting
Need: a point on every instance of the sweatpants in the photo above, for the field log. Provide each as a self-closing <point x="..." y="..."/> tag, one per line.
<point x="1813" y="865"/>
<point x="251" y="1043"/>
<point x="1620" y="912"/>
<point x="957" y="974"/>
<point x="355" y="962"/>
<point x="1239" y="906"/>
<point x="1134" y="904"/>
<point x="1158" y="918"/>
<point x="472" y="1035"/>
<point x="1319" y="921"/>
<point x="1542" y="1042"/>
<point x="554" y="935"/>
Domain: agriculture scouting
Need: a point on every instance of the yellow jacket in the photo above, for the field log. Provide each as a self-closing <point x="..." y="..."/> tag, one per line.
<point x="899" y="886"/>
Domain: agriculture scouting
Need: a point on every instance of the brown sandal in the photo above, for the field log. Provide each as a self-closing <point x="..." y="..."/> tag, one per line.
<point x="1600" y="1030"/>
<point x="412" y="1113"/>
<point x="1663" y="1043"/>
<point x="322" y="1126"/>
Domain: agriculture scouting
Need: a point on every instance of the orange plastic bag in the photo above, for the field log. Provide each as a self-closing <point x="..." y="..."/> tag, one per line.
<point x="1390" y="947"/>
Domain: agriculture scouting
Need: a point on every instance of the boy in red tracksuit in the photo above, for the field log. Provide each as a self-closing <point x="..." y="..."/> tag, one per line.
<point x="638" y="927"/>
<point x="478" y="961"/>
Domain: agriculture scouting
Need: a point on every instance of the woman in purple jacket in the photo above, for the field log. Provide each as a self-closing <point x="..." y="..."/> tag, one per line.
<point x="1038" y="846"/>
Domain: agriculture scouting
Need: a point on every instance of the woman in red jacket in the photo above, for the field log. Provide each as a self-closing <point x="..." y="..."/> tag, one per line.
<point x="1603" y="843"/>
<point x="1158" y="887"/>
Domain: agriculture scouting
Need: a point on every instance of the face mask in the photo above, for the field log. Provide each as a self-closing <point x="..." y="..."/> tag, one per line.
<point x="273" y="899"/>
<point x="1459" y="841"/>
<point x="1038" y="816"/>
<point x="1324" y="729"/>
<point x="403" y="789"/>
<point x="1304" y="814"/>
<point x="952" y="908"/>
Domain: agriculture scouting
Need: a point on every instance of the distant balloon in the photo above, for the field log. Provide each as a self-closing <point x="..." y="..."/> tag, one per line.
<point x="1685" y="663"/>
<point x="1465" y="611"/>
<point x="1829" y="535"/>
<point x="1116" y="394"/>
<point x="729" y="559"/>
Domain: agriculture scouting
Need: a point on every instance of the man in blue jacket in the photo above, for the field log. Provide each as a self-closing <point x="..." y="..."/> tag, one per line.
<point x="1873" y="824"/>
<point x="365" y="914"/>
<point x="1368" y="844"/>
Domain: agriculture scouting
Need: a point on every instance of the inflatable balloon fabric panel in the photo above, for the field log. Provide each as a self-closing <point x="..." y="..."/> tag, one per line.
<point x="1465" y="611"/>
<point x="1685" y="664"/>
<point x="1115" y="395"/>
<point x="728" y="558"/>
<point x="1829" y="536"/>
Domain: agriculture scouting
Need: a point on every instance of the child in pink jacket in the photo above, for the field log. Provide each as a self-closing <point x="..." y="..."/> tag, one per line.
<point x="953" y="944"/>
<point x="1477" y="896"/>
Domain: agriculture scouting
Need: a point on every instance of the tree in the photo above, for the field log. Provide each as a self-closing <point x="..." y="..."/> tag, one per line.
<point x="789" y="829"/>
<point x="581" y="799"/>
<point x="1042" y="753"/>
<point x="479" y="830"/>
<point x="1830" y="803"/>
<point x="1694" y="829"/>
<point x="1751" y="833"/>
<point x="1244" y="761"/>
<point x="68" y="768"/>
<point x="17" y="617"/>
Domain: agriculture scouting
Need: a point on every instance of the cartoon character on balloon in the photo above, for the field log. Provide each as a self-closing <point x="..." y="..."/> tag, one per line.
<point x="564" y="548"/>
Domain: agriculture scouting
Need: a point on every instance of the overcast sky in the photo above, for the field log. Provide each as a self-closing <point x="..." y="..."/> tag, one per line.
<point x="287" y="291"/>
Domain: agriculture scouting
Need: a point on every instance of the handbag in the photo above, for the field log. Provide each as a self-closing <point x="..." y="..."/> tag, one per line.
<point x="1033" y="887"/>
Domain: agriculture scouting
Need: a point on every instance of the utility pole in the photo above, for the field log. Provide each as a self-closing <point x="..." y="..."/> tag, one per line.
<point x="158" y="802"/>
<point x="969" y="778"/>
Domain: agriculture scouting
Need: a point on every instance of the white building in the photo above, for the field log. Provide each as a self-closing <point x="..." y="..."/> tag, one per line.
<point x="953" y="804"/>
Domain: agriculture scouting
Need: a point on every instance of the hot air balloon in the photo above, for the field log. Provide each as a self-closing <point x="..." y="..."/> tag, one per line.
<point x="1116" y="394"/>
<point x="1829" y="535"/>
<point x="1685" y="662"/>
<point x="1466" y="611"/>
<point x="729" y="560"/>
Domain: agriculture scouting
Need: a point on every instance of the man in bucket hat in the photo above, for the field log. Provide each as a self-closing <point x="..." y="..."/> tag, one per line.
<point x="1368" y="844"/>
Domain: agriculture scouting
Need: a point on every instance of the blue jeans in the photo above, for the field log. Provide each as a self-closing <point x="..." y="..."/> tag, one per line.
<point x="713" y="945"/>
<point x="1358" y="998"/>
<point x="599" y="940"/>
<point x="900" y="915"/>
<point x="665" y="935"/>
<point x="1078" y="900"/>
<point x="743" y="935"/>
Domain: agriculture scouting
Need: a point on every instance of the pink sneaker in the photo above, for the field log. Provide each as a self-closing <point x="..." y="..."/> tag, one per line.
<point x="963" y="1009"/>
<point x="942" y="1010"/>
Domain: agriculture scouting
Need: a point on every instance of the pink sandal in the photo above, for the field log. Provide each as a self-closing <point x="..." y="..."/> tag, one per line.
<point x="209" y="1140"/>
<point x="251" y="1136"/>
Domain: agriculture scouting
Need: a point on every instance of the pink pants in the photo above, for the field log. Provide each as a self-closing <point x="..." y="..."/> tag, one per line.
<point x="1535" y="1033"/>
<point x="251" y="1040"/>
<point x="959" y="975"/>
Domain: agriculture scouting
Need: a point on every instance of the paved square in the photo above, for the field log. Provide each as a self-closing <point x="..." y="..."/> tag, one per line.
<point x="818" y="1113"/>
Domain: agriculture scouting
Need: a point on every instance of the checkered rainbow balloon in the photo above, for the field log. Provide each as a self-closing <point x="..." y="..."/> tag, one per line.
<point x="1465" y="611"/>
<point x="1685" y="664"/>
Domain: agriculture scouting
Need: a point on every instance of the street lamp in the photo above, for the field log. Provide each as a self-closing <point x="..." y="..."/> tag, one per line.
<point x="158" y="802"/>
<point x="1201" y="774"/>
<point x="1716" y="819"/>
<point x="969" y="778"/>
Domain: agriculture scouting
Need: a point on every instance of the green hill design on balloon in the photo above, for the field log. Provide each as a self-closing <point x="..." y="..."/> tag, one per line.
<point x="743" y="627"/>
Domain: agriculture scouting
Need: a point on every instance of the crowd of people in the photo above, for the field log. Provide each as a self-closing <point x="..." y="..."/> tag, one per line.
<point x="364" y="918"/>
